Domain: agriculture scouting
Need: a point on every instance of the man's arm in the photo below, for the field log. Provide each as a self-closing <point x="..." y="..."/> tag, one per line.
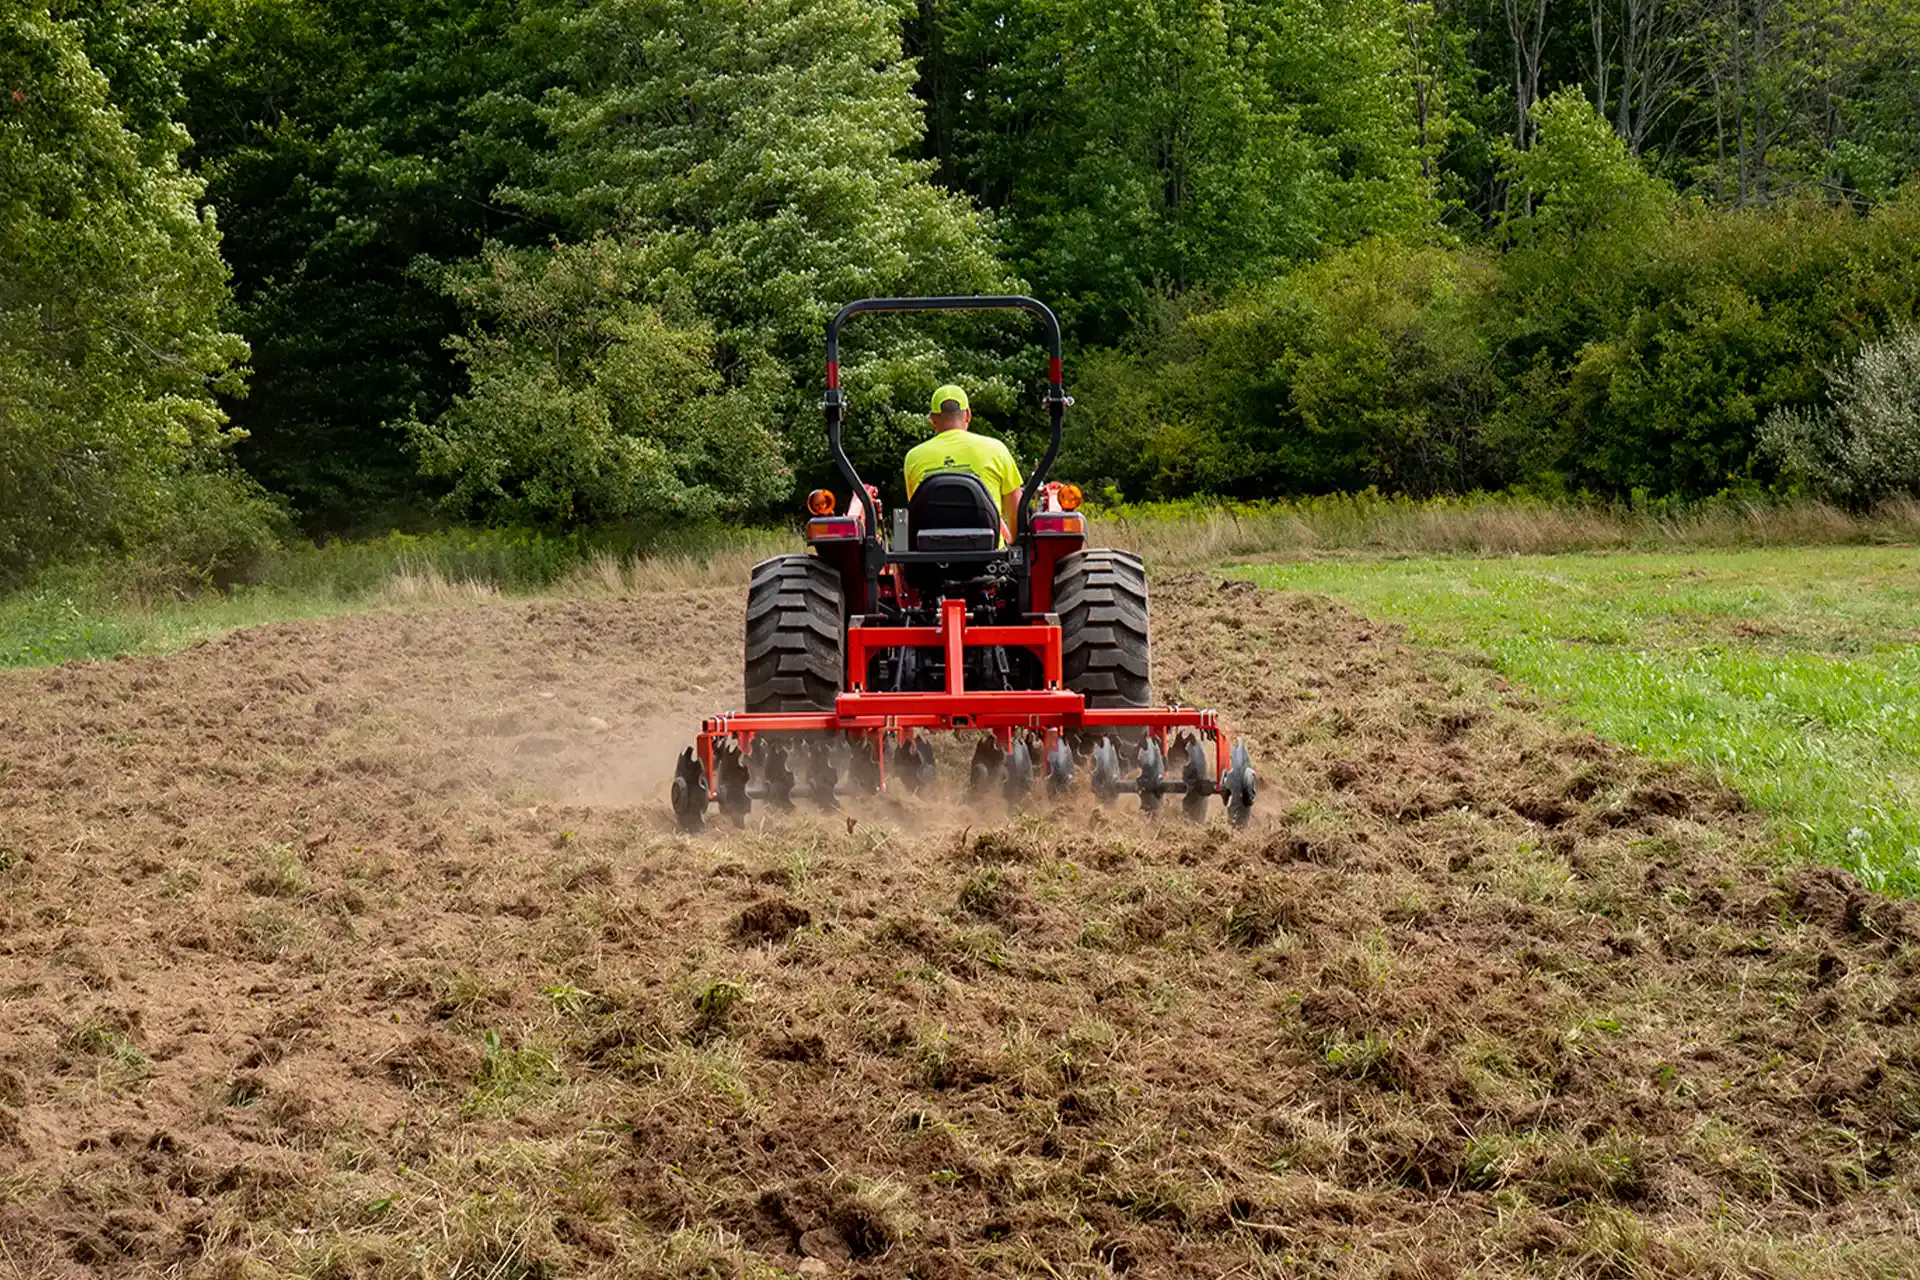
<point x="1010" y="505"/>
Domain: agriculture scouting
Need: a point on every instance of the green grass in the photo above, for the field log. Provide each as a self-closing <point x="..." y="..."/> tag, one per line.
<point x="103" y="610"/>
<point x="53" y="624"/>
<point x="1793" y="674"/>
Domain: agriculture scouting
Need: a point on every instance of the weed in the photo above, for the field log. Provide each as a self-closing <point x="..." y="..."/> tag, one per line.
<point x="876" y="1215"/>
<point x="938" y="1068"/>
<point x="1100" y="935"/>
<point x="713" y="1007"/>
<point x="571" y="1001"/>
<point x="108" y="1040"/>
<point x="978" y="948"/>
<point x="1369" y="1059"/>
<point x="985" y="893"/>
<point x="461" y="993"/>
<point x="1258" y="916"/>
<point x="1609" y="1167"/>
<point x="1308" y="1141"/>
<point x="269" y="932"/>
<point x="279" y="873"/>
<point x="512" y="1077"/>
<point x="1727" y="1151"/>
<point x="1492" y="1160"/>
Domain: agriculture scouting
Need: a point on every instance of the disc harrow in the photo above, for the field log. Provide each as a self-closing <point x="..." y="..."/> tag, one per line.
<point x="976" y="611"/>
<point x="830" y="770"/>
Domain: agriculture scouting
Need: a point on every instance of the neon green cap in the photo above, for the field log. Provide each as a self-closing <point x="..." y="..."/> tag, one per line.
<point x="949" y="392"/>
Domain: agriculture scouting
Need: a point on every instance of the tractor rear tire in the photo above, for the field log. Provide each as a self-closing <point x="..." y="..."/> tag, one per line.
<point x="796" y="635"/>
<point x="1101" y="597"/>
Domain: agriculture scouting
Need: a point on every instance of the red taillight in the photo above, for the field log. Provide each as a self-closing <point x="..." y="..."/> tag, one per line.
<point x="833" y="527"/>
<point x="1060" y="522"/>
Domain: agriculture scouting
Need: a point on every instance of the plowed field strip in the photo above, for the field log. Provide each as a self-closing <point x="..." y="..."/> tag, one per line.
<point x="366" y="948"/>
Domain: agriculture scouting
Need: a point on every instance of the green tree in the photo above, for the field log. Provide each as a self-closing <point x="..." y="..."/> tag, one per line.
<point x="111" y="288"/>
<point x="1151" y="147"/>
<point x="727" y="172"/>
<point x="1366" y="368"/>
<point x="345" y="143"/>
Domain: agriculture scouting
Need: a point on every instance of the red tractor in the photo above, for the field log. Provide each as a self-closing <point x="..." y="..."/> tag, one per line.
<point x="878" y="635"/>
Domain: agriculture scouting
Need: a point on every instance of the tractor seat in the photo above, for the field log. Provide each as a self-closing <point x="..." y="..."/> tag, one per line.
<point x="952" y="511"/>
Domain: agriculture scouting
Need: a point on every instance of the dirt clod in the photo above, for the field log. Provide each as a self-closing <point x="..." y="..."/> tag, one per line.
<point x="770" y="920"/>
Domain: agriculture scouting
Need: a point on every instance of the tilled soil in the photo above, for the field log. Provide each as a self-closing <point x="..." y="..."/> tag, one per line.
<point x="367" y="948"/>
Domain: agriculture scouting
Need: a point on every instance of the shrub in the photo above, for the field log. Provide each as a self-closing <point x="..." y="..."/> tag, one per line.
<point x="1864" y="445"/>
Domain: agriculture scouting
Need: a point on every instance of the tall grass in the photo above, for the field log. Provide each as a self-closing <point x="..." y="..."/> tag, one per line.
<point x="1189" y="535"/>
<point x="521" y="561"/>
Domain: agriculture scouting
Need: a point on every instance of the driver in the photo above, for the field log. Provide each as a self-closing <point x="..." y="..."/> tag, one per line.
<point x="954" y="448"/>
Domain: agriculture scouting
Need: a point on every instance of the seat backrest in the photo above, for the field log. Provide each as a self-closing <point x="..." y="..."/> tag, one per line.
<point x="952" y="511"/>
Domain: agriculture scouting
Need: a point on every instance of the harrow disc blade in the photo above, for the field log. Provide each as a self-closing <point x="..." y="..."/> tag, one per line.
<point x="1059" y="769"/>
<point x="987" y="761"/>
<point x="822" y="777"/>
<point x="730" y="780"/>
<point x="1106" y="771"/>
<point x="689" y="792"/>
<point x="776" y="776"/>
<point x="1239" y="785"/>
<point x="1198" y="779"/>
<point x="912" y="763"/>
<point x="1019" y="772"/>
<point x="1152" y="780"/>
<point x="863" y="767"/>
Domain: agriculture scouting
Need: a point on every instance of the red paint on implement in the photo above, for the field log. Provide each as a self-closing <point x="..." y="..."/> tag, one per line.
<point x="859" y="713"/>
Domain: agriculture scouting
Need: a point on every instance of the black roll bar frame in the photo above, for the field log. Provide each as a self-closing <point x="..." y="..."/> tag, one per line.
<point x="835" y="404"/>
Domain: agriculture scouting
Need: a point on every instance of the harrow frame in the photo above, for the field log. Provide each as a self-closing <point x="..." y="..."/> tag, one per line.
<point x="1049" y="711"/>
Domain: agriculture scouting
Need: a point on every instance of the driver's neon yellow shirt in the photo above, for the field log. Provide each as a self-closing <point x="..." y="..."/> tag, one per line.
<point x="961" y="450"/>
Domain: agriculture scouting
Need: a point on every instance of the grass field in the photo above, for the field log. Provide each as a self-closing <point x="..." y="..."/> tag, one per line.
<point x="1792" y="673"/>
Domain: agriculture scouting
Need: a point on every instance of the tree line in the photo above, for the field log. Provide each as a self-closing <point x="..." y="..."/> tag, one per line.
<point x="346" y="264"/>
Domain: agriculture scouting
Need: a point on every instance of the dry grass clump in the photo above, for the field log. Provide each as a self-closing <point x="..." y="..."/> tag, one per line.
<point x="425" y="584"/>
<point x="606" y="574"/>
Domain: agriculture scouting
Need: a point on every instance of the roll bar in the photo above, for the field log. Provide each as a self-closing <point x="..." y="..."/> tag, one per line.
<point x="835" y="403"/>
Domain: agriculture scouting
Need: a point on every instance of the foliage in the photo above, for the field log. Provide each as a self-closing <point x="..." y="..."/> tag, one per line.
<point x="1624" y="342"/>
<point x="1247" y="137"/>
<point x="341" y="147"/>
<point x="1577" y="185"/>
<point x="649" y="359"/>
<point x="567" y="261"/>
<point x="1866" y="446"/>
<point x="1363" y="369"/>
<point x="1707" y="321"/>
<point x="111" y="346"/>
<point x="586" y="406"/>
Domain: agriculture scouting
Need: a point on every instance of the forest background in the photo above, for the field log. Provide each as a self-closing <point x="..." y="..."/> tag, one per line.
<point x="282" y="269"/>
